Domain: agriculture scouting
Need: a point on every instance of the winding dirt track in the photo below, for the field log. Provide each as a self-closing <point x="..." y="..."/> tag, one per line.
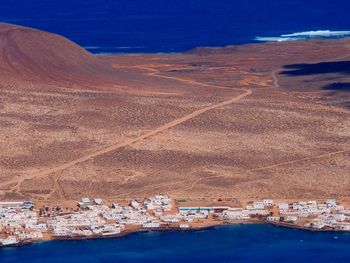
<point x="326" y="155"/>
<point x="125" y="143"/>
<point x="130" y="141"/>
<point x="194" y="183"/>
<point x="275" y="84"/>
<point x="275" y="79"/>
<point x="155" y="73"/>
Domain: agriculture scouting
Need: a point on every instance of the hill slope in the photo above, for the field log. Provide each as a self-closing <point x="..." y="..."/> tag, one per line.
<point x="31" y="55"/>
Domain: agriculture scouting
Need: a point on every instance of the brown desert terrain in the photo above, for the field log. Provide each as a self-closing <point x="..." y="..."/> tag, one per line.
<point x="250" y="121"/>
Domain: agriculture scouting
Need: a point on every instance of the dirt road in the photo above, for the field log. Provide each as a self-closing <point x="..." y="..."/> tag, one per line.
<point x="126" y="142"/>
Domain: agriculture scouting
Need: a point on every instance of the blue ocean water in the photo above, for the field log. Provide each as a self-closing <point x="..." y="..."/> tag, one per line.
<point x="129" y="26"/>
<point x="147" y="26"/>
<point x="240" y="243"/>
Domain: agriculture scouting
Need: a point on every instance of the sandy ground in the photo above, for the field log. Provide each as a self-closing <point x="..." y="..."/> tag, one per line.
<point x="210" y="123"/>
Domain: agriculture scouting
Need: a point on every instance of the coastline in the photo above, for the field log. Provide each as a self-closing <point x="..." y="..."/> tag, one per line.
<point x="175" y="229"/>
<point x="218" y="47"/>
<point x="174" y="246"/>
<point x="93" y="219"/>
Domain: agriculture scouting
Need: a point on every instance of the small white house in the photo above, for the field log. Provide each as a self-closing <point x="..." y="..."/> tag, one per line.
<point x="236" y="214"/>
<point x="312" y="202"/>
<point x="84" y="203"/>
<point x="10" y="240"/>
<point x="134" y="204"/>
<point x="268" y="202"/>
<point x="340" y="217"/>
<point x="157" y="213"/>
<point x="62" y="231"/>
<point x="273" y="218"/>
<point x="322" y="206"/>
<point x="258" y="205"/>
<point x="283" y="206"/>
<point x="85" y="200"/>
<point x="318" y="224"/>
<point x="296" y="206"/>
<point x="331" y="203"/>
<point x="150" y="206"/>
<point x="35" y="235"/>
<point x="98" y="201"/>
<point x="340" y="208"/>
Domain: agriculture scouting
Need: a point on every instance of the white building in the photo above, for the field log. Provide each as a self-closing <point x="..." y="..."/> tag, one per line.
<point x="273" y="218"/>
<point x="134" y="204"/>
<point x="258" y="205"/>
<point x="317" y="223"/>
<point x="84" y="202"/>
<point x="10" y="240"/>
<point x="236" y="214"/>
<point x="331" y="203"/>
<point x="151" y="225"/>
<point x="283" y="206"/>
<point x="340" y="217"/>
<point x="98" y="201"/>
<point x="268" y="202"/>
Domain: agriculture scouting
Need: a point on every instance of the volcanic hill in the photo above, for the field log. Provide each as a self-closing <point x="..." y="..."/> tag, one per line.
<point x="31" y="55"/>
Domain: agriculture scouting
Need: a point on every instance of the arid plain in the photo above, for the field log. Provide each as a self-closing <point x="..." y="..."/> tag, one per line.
<point x="254" y="121"/>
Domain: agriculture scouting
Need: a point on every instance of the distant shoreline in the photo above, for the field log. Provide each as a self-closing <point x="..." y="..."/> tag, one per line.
<point x="256" y="41"/>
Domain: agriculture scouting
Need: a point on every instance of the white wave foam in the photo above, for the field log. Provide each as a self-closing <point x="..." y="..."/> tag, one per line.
<point x="306" y="35"/>
<point x="273" y="39"/>
<point x="319" y="33"/>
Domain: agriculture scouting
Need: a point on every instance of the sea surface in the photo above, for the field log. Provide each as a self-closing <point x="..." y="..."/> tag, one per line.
<point x="147" y="26"/>
<point x="236" y="243"/>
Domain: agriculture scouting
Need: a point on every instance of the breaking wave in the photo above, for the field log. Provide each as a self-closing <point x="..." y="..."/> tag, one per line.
<point x="306" y="35"/>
